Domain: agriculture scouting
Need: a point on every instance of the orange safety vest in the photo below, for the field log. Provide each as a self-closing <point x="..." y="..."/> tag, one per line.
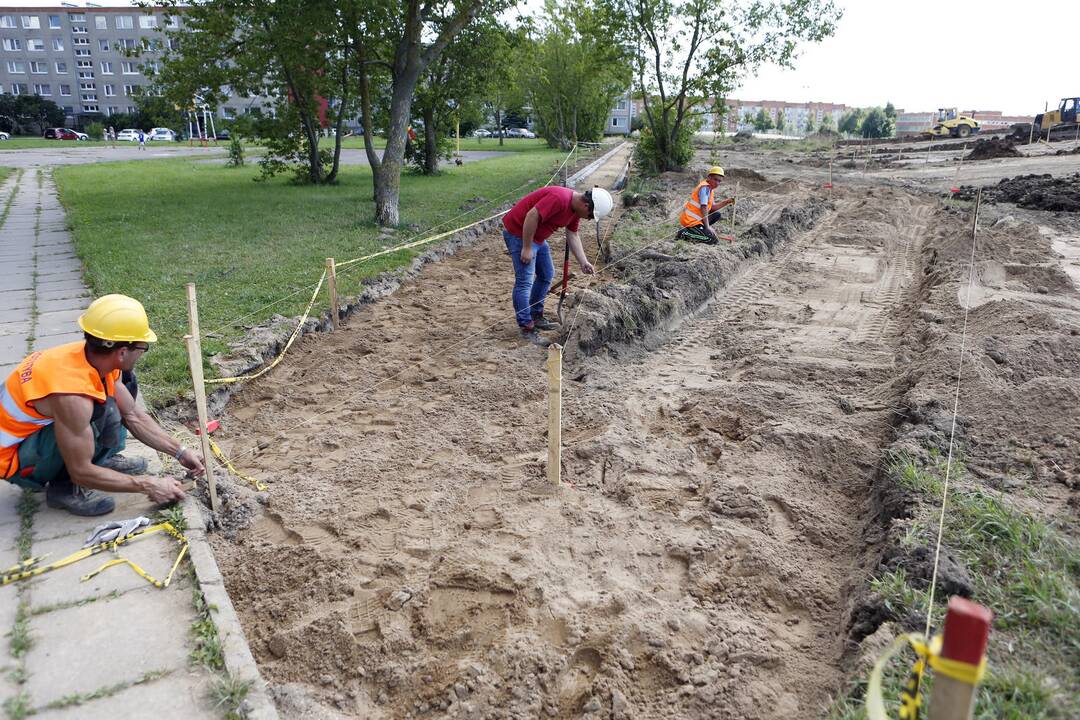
<point x="691" y="214"/>
<point x="59" y="370"/>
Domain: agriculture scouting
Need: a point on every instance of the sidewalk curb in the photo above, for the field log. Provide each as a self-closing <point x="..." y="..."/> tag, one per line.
<point x="586" y="171"/>
<point x="238" y="658"/>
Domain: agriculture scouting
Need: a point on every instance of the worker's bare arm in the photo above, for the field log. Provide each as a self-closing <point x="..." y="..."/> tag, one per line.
<point x="143" y="427"/>
<point x="574" y="241"/>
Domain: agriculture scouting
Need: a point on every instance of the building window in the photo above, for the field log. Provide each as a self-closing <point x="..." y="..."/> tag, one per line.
<point x="129" y="68"/>
<point x="12" y="44"/>
<point x="89" y="108"/>
<point x="77" y="17"/>
<point x="7" y="21"/>
<point x="69" y="109"/>
<point x="615" y="122"/>
<point x="78" y="29"/>
<point x="123" y="22"/>
<point x="39" y="68"/>
<point x="174" y="43"/>
<point x="110" y="90"/>
<point x="61" y="67"/>
<point x="103" y="45"/>
<point x="101" y="22"/>
<point x="131" y="90"/>
<point x="31" y="22"/>
<point x="172" y="22"/>
<point x="84" y="64"/>
<point x="58" y="44"/>
<point x="89" y="97"/>
<point x="43" y="90"/>
<point x="82" y="52"/>
<point x="130" y="109"/>
<point x="87" y="86"/>
<point x="125" y="44"/>
<point x="16" y="66"/>
<point x="80" y="42"/>
<point x="54" y="22"/>
<point x="621" y="105"/>
<point x="106" y="68"/>
<point x="113" y="109"/>
<point x="19" y="89"/>
<point x="35" y="44"/>
<point x="147" y="22"/>
<point x="65" y="90"/>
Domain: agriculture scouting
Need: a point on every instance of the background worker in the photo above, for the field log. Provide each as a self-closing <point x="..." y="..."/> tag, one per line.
<point x="63" y="412"/>
<point x="701" y="211"/>
<point x="527" y="228"/>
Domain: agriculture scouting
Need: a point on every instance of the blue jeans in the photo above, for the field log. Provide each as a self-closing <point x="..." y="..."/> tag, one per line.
<point x="531" y="280"/>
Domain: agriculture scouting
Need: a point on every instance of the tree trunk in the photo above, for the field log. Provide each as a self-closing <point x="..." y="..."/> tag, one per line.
<point x="387" y="189"/>
<point x="388" y="176"/>
<point x="431" y="146"/>
<point x="498" y="124"/>
<point x="312" y="134"/>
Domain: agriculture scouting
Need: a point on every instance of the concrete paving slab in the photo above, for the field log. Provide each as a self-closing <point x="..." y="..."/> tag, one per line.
<point x="9" y="506"/>
<point x="47" y="341"/>
<point x="147" y="628"/>
<point x="62" y="293"/>
<point x="67" y="283"/>
<point x="57" y="323"/>
<point x="59" y="266"/>
<point x="180" y="695"/>
<point x="14" y="315"/>
<point x="18" y="299"/>
<point x="15" y="282"/>
<point x="50" y="523"/>
<point x="15" y="329"/>
<point x="154" y="553"/>
<point x="70" y="303"/>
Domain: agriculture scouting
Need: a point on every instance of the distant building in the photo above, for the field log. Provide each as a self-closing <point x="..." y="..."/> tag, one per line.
<point x="795" y="115"/>
<point x="620" y="117"/>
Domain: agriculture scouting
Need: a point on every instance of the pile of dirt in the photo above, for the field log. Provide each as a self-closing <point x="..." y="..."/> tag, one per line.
<point x="993" y="148"/>
<point x="744" y="175"/>
<point x="1074" y="151"/>
<point x="1035" y="192"/>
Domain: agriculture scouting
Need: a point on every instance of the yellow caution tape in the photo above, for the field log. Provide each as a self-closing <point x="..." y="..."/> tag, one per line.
<point x="418" y="243"/>
<point x="29" y="568"/>
<point x="926" y="654"/>
<point x="281" y="355"/>
<point x="229" y="466"/>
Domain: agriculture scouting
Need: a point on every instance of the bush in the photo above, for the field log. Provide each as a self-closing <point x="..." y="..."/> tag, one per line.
<point x="651" y="159"/>
<point x="95" y="130"/>
<point x="236" y="153"/>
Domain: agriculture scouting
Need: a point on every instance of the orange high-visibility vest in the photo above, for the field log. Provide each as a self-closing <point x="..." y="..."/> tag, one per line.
<point x="692" y="214"/>
<point x="59" y="370"/>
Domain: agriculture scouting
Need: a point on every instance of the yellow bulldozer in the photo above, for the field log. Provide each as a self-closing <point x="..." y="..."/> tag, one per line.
<point x="1061" y="123"/>
<point x="949" y="123"/>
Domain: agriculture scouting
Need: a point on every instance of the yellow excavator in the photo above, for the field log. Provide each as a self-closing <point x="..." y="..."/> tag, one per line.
<point x="949" y="123"/>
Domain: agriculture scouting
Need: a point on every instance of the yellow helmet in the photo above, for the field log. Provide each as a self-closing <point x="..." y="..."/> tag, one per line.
<point x="716" y="170"/>
<point x="117" y="318"/>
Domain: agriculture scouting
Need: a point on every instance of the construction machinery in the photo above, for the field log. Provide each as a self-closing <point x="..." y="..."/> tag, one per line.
<point x="1062" y="123"/>
<point x="949" y="123"/>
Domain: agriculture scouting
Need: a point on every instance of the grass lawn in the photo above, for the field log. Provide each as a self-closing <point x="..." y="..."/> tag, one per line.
<point x="24" y="143"/>
<point x="147" y="228"/>
<point x="355" y="142"/>
<point x="4" y="172"/>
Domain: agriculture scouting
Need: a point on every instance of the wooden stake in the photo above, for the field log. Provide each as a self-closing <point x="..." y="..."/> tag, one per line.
<point x="194" y="348"/>
<point x="734" y="207"/>
<point x="331" y="290"/>
<point x="928" y="147"/>
<point x="554" y="464"/>
<point x="967" y="629"/>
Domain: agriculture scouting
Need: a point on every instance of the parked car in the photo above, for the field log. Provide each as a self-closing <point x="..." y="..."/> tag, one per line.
<point x="62" y="134"/>
<point x="526" y="133"/>
<point x="161" y="134"/>
<point x="4" y="136"/>
<point x="78" y="135"/>
<point x="128" y="135"/>
<point x="482" y="133"/>
<point x="223" y="134"/>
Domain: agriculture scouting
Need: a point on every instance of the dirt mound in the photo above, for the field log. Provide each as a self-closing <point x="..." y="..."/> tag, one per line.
<point x="1035" y="192"/>
<point x="744" y="174"/>
<point x="992" y="148"/>
<point x="1074" y="151"/>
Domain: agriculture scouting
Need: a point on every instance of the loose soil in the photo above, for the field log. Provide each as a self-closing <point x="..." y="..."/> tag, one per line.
<point x="992" y="148"/>
<point x="725" y="413"/>
<point x="1036" y="192"/>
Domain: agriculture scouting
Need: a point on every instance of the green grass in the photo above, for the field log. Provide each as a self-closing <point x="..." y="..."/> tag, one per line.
<point x="147" y="228"/>
<point x="229" y="694"/>
<point x="356" y="142"/>
<point x="4" y="172"/>
<point x="1022" y="568"/>
<point x="27" y="143"/>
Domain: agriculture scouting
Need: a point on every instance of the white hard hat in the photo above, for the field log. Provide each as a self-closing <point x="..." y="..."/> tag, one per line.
<point x="602" y="203"/>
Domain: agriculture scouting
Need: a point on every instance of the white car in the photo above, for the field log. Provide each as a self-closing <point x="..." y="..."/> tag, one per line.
<point x="525" y="133"/>
<point x="161" y="134"/>
<point x="128" y="135"/>
<point x="4" y="136"/>
<point x="482" y="133"/>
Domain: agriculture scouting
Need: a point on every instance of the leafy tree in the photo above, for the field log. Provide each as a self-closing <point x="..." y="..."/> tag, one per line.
<point x="828" y="123"/>
<point x="502" y="88"/>
<point x="391" y="44"/>
<point x="780" y="120"/>
<point x="851" y="121"/>
<point x="890" y="111"/>
<point x="699" y="48"/>
<point x="288" y="52"/>
<point x="762" y="121"/>
<point x="876" y="124"/>
<point x="809" y="127"/>
<point x="28" y="114"/>
<point x="575" y="71"/>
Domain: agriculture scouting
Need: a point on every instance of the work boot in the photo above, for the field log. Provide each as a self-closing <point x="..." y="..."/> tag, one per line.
<point x="542" y="323"/>
<point x="529" y="335"/>
<point x="127" y="465"/>
<point x="77" y="500"/>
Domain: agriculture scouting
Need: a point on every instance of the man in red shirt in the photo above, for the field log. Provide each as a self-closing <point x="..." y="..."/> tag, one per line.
<point x="527" y="228"/>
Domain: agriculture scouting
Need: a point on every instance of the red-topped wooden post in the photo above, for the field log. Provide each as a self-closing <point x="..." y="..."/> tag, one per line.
<point x="967" y="629"/>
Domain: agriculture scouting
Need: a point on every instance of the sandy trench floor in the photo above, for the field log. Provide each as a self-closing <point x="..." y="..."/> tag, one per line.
<point x="412" y="561"/>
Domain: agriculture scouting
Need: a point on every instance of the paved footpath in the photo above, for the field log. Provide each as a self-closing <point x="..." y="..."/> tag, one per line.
<point x="113" y="646"/>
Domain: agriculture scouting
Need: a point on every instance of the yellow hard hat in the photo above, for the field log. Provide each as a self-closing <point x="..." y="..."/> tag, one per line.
<point x="117" y="318"/>
<point x="716" y="170"/>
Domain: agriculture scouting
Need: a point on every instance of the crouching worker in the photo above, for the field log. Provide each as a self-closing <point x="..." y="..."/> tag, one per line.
<point x="64" y="413"/>
<point x="701" y="211"/>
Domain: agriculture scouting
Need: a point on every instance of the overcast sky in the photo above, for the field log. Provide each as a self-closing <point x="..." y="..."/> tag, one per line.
<point x="1007" y="55"/>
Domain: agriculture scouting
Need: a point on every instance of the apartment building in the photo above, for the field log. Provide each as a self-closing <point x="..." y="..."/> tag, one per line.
<point x="78" y="57"/>
<point x="795" y="115"/>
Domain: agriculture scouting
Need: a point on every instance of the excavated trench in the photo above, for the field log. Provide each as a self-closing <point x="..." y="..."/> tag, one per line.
<point x="725" y="409"/>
